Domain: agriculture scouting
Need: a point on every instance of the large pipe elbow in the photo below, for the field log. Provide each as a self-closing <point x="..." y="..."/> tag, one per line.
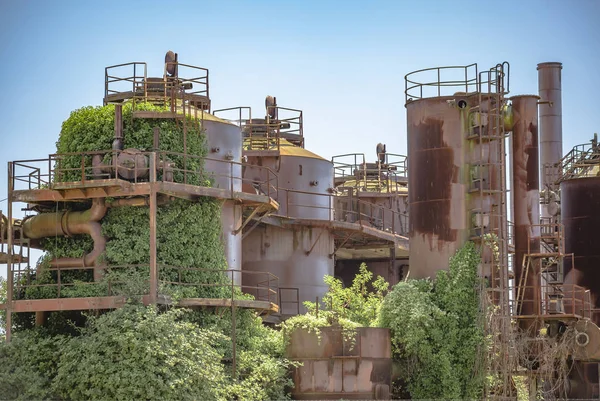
<point x="71" y="223"/>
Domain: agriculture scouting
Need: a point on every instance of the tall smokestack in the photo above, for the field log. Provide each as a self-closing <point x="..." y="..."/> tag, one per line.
<point x="549" y="84"/>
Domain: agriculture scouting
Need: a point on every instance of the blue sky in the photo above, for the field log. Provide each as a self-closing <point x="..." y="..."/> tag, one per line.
<point x="342" y="62"/>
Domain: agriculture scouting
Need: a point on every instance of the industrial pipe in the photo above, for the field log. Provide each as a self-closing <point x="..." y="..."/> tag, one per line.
<point x="67" y="223"/>
<point x="549" y="86"/>
<point x="525" y="189"/>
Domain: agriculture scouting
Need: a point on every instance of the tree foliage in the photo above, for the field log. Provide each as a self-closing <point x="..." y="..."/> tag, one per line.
<point x="138" y="352"/>
<point x="347" y="307"/>
<point x="436" y="330"/>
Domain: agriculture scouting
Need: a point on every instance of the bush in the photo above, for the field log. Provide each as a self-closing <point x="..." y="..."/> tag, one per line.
<point x="28" y="364"/>
<point x="137" y="353"/>
<point x="437" y="333"/>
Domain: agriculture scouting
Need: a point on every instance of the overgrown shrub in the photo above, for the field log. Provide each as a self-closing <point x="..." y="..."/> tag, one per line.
<point x="437" y="335"/>
<point x="347" y="307"/>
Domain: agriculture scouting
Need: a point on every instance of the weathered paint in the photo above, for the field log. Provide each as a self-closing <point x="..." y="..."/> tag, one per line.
<point x="580" y="211"/>
<point x="549" y="86"/>
<point x="525" y="192"/>
<point x="224" y="142"/>
<point x="283" y="252"/>
<point x="437" y="195"/>
<point x="335" y="367"/>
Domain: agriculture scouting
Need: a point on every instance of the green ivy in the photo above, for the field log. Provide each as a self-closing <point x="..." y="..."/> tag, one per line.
<point x="436" y="332"/>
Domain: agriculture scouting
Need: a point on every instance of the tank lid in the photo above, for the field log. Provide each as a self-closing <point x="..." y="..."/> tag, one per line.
<point x="287" y="148"/>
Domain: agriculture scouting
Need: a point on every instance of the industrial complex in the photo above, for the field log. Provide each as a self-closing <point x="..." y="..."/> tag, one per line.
<point x="483" y="165"/>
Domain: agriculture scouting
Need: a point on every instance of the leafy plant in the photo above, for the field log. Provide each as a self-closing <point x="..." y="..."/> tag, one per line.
<point x="437" y="334"/>
<point x="137" y="353"/>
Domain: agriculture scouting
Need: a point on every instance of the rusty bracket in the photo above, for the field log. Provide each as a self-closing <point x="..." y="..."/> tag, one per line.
<point x="245" y="223"/>
<point x="341" y="245"/>
<point x="256" y="223"/>
<point x="315" y="243"/>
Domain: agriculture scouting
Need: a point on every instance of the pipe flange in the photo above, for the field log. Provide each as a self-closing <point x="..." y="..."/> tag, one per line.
<point x="582" y="339"/>
<point x="64" y="223"/>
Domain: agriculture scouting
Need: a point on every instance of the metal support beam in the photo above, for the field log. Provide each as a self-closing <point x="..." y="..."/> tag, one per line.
<point x="9" y="251"/>
<point x="254" y="213"/>
<point x="315" y="243"/>
<point x="341" y="245"/>
<point x="153" y="266"/>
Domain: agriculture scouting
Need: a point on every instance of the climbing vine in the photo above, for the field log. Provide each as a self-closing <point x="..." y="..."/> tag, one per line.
<point x="437" y="335"/>
<point x="137" y="352"/>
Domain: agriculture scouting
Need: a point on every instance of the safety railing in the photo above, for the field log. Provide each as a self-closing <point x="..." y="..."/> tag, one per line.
<point x="440" y="81"/>
<point x="447" y="81"/>
<point x="128" y="78"/>
<point x="289" y="301"/>
<point x="343" y="208"/>
<point x="264" y="287"/>
<point x="59" y="282"/>
<point x="549" y="300"/>
<point x="130" y="81"/>
<point x="190" y="77"/>
<point x="72" y="169"/>
<point x="266" y="133"/>
<point x="351" y="170"/>
<point x="579" y="162"/>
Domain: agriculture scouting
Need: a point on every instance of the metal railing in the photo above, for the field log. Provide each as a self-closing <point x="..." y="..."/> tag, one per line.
<point x="130" y="81"/>
<point x="554" y="300"/>
<point x="52" y="172"/>
<point x="343" y="208"/>
<point x="447" y="81"/>
<point x="441" y="81"/>
<point x="352" y="170"/>
<point x="62" y="284"/>
<point x="128" y="77"/>
<point x="289" y="307"/>
<point x="579" y="162"/>
<point x="265" y="133"/>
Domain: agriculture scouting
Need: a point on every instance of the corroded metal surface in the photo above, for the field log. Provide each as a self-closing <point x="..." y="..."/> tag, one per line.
<point x="298" y="256"/>
<point x="580" y="206"/>
<point x="549" y="86"/>
<point x="224" y="142"/>
<point x="437" y="195"/>
<point x="335" y="367"/>
<point x="525" y="186"/>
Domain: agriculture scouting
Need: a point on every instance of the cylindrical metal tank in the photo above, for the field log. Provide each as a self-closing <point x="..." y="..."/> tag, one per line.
<point x="300" y="255"/>
<point x="549" y="86"/>
<point x="304" y="181"/>
<point x="525" y="200"/>
<point x="580" y="212"/>
<point x="224" y="142"/>
<point x="437" y="198"/>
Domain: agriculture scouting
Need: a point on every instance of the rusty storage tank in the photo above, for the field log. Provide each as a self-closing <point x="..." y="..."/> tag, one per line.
<point x="456" y="160"/>
<point x="580" y="212"/>
<point x="298" y="252"/>
<point x="436" y="134"/>
<point x="224" y="142"/>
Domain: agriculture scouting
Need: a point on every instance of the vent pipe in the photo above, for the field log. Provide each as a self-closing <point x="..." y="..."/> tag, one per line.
<point x="550" y="111"/>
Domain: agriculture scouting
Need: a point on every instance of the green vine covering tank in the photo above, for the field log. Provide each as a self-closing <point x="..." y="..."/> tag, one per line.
<point x="188" y="233"/>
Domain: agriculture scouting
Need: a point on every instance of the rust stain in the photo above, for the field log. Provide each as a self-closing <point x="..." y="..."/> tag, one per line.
<point x="430" y="194"/>
<point x="531" y="149"/>
<point x="580" y="206"/>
